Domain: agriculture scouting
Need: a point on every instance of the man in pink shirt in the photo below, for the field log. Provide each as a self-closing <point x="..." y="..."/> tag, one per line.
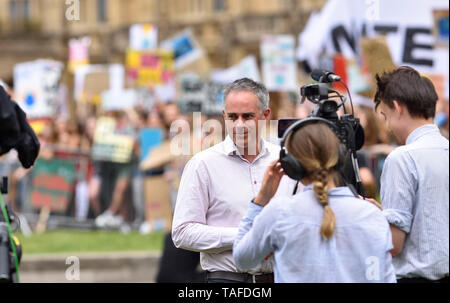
<point x="218" y="184"/>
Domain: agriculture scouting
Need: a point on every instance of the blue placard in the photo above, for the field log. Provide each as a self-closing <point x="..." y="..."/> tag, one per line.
<point x="149" y="138"/>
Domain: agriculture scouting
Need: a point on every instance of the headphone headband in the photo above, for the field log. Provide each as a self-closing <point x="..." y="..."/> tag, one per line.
<point x="303" y="122"/>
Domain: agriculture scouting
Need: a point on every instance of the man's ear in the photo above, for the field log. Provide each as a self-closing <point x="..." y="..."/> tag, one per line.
<point x="266" y="114"/>
<point x="398" y="108"/>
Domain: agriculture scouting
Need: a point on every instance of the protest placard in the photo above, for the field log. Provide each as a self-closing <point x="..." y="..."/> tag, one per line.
<point x="78" y="52"/>
<point x="158" y="209"/>
<point x="200" y="96"/>
<point x="119" y="99"/>
<point x="36" y="86"/>
<point x="52" y="184"/>
<point x="92" y="80"/>
<point x="440" y="27"/>
<point x="110" y="145"/>
<point x="149" y="138"/>
<point x="184" y="47"/>
<point x="409" y="32"/>
<point x="146" y="68"/>
<point x="279" y="66"/>
<point x="246" y="68"/>
<point x="143" y="37"/>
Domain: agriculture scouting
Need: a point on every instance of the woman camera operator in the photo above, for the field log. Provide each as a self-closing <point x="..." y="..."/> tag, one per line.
<point x="323" y="234"/>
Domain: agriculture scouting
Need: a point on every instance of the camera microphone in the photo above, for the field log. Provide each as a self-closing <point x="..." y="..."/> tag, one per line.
<point x="324" y="76"/>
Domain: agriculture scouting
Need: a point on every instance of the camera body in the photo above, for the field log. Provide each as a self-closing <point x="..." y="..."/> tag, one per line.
<point x="347" y="126"/>
<point x="350" y="131"/>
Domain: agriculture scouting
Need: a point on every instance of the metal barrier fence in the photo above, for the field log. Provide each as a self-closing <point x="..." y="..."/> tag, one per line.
<point x="59" y="186"/>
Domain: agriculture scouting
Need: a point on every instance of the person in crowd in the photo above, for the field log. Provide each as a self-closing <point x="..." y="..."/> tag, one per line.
<point x="415" y="177"/>
<point x="323" y="234"/>
<point x="218" y="182"/>
<point x="117" y="211"/>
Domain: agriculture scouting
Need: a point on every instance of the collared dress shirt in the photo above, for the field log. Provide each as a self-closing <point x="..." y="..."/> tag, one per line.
<point x="358" y="250"/>
<point x="215" y="189"/>
<point x="414" y="196"/>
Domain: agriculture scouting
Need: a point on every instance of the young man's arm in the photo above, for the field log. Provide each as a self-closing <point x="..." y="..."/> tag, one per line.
<point x="398" y="187"/>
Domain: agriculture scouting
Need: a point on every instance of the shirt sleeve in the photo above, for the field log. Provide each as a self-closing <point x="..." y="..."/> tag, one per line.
<point x="189" y="230"/>
<point x="398" y="187"/>
<point x="255" y="237"/>
<point x="389" y="276"/>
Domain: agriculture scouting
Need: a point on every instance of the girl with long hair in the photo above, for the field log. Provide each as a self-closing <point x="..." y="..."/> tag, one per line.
<point x="323" y="234"/>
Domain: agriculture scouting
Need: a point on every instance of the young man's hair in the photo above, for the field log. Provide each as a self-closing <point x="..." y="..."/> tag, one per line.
<point x="407" y="86"/>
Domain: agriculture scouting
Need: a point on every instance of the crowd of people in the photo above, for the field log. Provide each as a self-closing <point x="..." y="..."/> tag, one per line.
<point x="208" y="209"/>
<point x="114" y="191"/>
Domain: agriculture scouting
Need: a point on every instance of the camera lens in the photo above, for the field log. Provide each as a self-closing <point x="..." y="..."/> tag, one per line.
<point x="328" y="106"/>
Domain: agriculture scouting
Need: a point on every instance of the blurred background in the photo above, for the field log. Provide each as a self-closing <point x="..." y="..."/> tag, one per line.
<point x="102" y="81"/>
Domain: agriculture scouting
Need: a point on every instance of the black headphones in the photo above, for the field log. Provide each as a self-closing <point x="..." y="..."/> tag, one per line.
<point x="290" y="164"/>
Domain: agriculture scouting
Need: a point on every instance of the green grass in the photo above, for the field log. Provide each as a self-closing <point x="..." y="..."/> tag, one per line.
<point x="64" y="241"/>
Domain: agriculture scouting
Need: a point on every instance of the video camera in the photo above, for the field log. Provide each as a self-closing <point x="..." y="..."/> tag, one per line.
<point x="349" y="130"/>
<point x="15" y="133"/>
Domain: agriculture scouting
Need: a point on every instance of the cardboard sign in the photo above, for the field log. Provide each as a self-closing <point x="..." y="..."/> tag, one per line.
<point x="36" y="87"/>
<point x="278" y="63"/>
<point x="109" y="145"/>
<point x="52" y="184"/>
<point x="158" y="210"/>
<point x="92" y="80"/>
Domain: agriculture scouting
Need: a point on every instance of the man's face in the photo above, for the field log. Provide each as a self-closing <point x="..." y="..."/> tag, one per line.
<point x="393" y="120"/>
<point x="242" y="114"/>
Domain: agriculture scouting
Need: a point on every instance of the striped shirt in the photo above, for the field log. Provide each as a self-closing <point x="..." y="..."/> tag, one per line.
<point x="414" y="195"/>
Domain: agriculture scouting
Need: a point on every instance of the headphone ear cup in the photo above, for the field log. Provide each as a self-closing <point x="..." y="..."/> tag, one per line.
<point x="291" y="166"/>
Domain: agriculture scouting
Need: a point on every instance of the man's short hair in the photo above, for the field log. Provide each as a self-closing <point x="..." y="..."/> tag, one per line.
<point x="407" y="86"/>
<point x="246" y="84"/>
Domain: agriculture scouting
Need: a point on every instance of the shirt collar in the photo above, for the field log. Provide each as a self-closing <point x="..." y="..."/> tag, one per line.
<point x="231" y="149"/>
<point x="336" y="191"/>
<point x="420" y="132"/>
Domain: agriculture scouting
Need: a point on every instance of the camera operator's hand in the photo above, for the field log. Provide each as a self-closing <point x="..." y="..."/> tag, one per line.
<point x="270" y="183"/>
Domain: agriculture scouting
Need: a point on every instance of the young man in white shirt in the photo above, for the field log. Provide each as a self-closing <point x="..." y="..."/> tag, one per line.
<point x="415" y="177"/>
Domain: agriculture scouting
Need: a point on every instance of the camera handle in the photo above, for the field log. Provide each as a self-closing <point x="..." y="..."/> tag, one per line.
<point x="357" y="174"/>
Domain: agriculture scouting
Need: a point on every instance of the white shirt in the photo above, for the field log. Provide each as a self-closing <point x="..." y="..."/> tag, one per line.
<point x="216" y="188"/>
<point x="414" y="195"/>
<point x="358" y="250"/>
